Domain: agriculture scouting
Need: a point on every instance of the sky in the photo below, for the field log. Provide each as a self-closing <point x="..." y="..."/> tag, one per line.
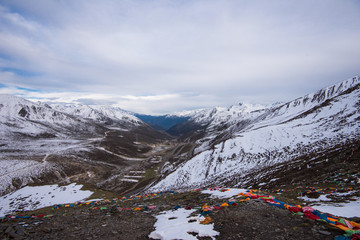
<point x="158" y="56"/>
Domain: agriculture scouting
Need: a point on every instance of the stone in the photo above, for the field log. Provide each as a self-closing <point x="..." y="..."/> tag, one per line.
<point x="14" y="235"/>
<point x="325" y="232"/>
<point x="46" y="230"/>
<point x="9" y="229"/>
<point x="20" y="230"/>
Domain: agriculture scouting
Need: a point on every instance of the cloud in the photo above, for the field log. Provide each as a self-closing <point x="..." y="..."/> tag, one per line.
<point x="140" y="52"/>
<point x="90" y="101"/>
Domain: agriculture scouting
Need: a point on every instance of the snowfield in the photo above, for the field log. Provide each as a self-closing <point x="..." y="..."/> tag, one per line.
<point x="32" y="198"/>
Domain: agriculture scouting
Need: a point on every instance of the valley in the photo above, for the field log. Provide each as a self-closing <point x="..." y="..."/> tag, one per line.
<point x="297" y="151"/>
<point x="112" y="162"/>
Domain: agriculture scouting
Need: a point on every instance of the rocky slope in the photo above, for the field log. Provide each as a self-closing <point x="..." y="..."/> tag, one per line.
<point x="134" y="218"/>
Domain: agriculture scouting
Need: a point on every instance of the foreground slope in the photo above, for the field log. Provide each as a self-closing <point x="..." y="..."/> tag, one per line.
<point x="314" y="124"/>
<point x="168" y="215"/>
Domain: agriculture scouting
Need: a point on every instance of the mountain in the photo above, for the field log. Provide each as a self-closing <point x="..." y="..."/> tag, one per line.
<point x="241" y="140"/>
<point x="102" y="144"/>
<point x="22" y="117"/>
<point x="98" y="145"/>
<point x="105" y="114"/>
<point x="31" y="132"/>
<point x="302" y="152"/>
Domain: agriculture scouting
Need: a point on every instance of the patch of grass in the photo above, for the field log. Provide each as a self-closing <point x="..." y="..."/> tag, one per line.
<point x="149" y="173"/>
<point x="99" y="193"/>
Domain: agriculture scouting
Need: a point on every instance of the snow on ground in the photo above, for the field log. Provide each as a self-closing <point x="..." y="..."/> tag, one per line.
<point x="177" y="224"/>
<point x="21" y="169"/>
<point x="7" y="167"/>
<point x="121" y="156"/>
<point x="321" y="198"/>
<point x="349" y="210"/>
<point x="26" y="160"/>
<point x="35" y="197"/>
<point x="344" y="193"/>
<point x="228" y="193"/>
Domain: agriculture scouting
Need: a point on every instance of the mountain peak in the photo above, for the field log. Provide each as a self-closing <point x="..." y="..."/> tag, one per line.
<point x="12" y="99"/>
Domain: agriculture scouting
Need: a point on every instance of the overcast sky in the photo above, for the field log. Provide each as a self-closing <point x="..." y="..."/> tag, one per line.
<point x="163" y="56"/>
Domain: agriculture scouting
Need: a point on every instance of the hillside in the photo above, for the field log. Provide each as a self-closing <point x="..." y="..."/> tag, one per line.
<point x="103" y="146"/>
<point x="233" y="147"/>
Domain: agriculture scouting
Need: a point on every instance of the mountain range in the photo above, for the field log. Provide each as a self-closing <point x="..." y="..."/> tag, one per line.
<point x="42" y="143"/>
<point x="244" y="145"/>
<point x="242" y="139"/>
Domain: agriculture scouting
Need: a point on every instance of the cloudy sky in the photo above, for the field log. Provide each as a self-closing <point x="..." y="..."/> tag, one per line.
<point x="163" y="56"/>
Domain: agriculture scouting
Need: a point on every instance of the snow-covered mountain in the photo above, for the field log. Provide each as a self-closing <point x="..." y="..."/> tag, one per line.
<point x="187" y="122"/>
<point x="218" y="143"/>
<point x="219" y="115"/>
<point x="41" y="144"/>
<point x="20" y="116"/>
<point x="211" y="125"/>
<point x="242" y="138"/>
<point x="101" y="113"/>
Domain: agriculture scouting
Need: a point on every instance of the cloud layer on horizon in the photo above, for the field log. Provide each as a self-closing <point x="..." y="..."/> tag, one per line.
<point x="165" y="56"/>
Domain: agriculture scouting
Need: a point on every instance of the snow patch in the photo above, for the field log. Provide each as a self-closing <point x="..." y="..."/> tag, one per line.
<point x="177" y="224"/>
<point x="348" y="210"/>
<point x="230" y="192"/>
<point x="34" y="197"/>
<point x="321" y="198"/>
